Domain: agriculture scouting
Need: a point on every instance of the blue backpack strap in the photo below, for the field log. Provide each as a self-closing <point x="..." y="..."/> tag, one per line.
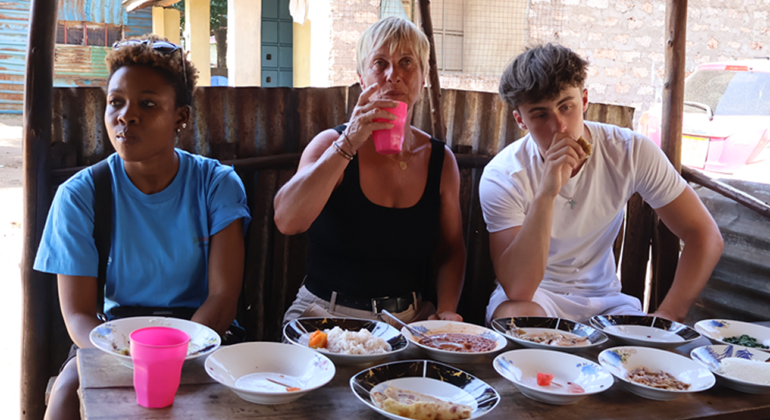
<point x="102" y="226"/>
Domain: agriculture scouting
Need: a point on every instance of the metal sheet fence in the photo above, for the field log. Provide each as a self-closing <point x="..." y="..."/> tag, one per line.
<point x="262" y="131"/>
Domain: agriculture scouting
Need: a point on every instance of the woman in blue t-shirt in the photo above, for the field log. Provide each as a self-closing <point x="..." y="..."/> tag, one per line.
<point x="178" y="218"/>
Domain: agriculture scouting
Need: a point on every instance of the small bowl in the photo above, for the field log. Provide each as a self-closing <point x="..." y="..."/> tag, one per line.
<point x="650" y="331"/>
<point x="293" y="333"/>
<point x="716" y="330"/>
<point x="438" y="327"/>
<point x="533" y="325"/>
<point x="431" y="378"/>
<point x="112" y="336"/>
<point x="621" y="360"/>
<point x="522" y="366"/>
<point x="712" y="357"/>
<point x="246" y="367"/>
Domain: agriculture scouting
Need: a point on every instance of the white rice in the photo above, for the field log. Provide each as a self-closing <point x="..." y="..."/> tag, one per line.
<point x="746" y="370"/>
<point x="355" y="342"/>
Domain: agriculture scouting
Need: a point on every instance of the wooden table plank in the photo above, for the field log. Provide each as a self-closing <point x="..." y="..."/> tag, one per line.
<point x="107" y="393"/>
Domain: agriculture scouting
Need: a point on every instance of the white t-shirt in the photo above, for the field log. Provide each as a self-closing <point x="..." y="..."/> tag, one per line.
<point x="580" y="258"/>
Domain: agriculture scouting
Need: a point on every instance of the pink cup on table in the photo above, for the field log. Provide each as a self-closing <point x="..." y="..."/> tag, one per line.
<point x="388" y="142"/>
<point x="158" y="354"/>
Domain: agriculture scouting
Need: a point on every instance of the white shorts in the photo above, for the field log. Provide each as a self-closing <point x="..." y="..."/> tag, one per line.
<point x="575" y="308"/>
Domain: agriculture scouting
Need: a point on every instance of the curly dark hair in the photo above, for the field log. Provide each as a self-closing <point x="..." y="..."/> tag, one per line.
<point x="540" y="73"/>
<point x="170" y="66"/>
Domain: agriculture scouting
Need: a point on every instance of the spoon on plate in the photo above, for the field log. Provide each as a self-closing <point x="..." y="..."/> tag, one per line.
<point x="408" y="328"/>
<point x="416" y="333"/>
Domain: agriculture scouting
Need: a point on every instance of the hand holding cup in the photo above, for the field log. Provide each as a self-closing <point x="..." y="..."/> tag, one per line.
<point x="370" y="114"/>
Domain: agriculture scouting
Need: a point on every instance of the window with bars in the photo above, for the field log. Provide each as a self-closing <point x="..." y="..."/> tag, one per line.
<point x="447" y="17"/>
<point x="88" y="33"/>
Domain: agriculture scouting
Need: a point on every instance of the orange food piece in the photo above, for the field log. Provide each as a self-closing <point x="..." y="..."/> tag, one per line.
<point x="292" y="389"/>
<point x="317" y="340"/>
<point x="544" y="379"/>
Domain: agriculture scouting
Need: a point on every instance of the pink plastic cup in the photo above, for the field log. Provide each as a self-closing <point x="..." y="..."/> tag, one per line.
<point x="388" y="142"/>
<point x="158" y="354"/>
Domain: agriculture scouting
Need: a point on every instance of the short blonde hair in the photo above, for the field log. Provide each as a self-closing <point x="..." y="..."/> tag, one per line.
<point x="400" y="33"/>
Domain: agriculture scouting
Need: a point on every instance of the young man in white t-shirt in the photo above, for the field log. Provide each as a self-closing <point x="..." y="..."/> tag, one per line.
<point x="553" y="211"/>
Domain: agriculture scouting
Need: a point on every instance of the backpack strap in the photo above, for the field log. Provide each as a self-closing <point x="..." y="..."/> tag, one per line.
<point x="102" y="226"/>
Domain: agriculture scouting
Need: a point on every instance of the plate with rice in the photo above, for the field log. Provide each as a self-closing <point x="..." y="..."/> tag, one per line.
<point x="743" y="369"/>
<point x="346" y="341"/>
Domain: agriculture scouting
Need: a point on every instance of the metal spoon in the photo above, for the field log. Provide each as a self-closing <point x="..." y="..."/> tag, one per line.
<point x="421" y="335"/>
<point x="408" y="328"/>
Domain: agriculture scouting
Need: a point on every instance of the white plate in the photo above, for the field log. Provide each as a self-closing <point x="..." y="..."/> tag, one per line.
<point x="535" y="325"/>
<point x="438" y="327"/>
<point x="245" y="367"/>
<point x="712" y="357"/>
<point x="717" y="330"/>
<point x="647" y="331"/>
<point x="293" y="333"/>
<point x="431" y="378"/>
<point x="621" y="360"/>
<point x="522" y="366"/>
<point x="112" y="336"/>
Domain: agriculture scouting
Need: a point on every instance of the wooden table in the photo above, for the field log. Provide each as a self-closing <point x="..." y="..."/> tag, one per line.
<point x="107" y="393"/>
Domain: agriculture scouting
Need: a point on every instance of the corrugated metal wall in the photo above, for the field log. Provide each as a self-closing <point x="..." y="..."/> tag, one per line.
<point x="14" y="18"/>
<point x="75" y="65"/>
<point x="262" y="131"/>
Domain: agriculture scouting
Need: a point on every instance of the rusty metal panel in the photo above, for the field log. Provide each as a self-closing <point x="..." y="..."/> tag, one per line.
<point x="98" y="11"/>
<point x="79" y="65"/>
<point x="138" y="22"/>
<point x="14" y="24"/>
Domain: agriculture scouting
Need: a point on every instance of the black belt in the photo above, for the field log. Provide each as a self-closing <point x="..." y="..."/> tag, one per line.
<point x="376" y="305"/>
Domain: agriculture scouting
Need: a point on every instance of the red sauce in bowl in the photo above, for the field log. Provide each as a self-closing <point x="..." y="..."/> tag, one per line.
<point x="462" y="343"/>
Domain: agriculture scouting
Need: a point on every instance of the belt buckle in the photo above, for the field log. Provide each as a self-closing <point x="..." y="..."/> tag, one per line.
<point x="375" y="307"/>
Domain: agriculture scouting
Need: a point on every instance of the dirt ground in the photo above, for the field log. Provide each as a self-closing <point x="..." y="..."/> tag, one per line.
<point x="10" y="257"/>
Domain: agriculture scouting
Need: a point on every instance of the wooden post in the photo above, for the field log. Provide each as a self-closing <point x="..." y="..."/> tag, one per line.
<point x="36" y="287"/>
<point x="666" y="244"/>
<point x="436" y="114"/>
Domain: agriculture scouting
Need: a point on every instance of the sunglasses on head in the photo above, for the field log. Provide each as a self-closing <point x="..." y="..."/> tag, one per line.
<point x="163" y="47"/>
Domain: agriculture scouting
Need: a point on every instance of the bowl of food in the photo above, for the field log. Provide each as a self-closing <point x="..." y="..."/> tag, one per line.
<point x="269" y="373"/>
<point x="346" y="341"/>
<point x="656" y="374"/>
<point x="650" y="331"/>
<point x="745" y="334"/>
<point x="740" y="368"/>
<point x="112" y="336"/>
<point x="423" y="389"/>
<point x="552" y="377"/>
<point x="549" y="333"/>
<point x="454" y="342"/>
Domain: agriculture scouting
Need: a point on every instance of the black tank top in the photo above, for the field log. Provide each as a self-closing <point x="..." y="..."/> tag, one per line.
<point x="363" y="250"/>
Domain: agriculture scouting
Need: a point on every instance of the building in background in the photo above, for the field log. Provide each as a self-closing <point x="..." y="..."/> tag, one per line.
<point x="84" y="32"/>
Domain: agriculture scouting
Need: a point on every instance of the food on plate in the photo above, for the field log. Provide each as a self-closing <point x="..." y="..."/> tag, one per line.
<point x="659" y="380"/>
<point x="745" y="340"/>
<point x="585" y="145"/>
<point x="415" y="405"/>
<point x="752" y="371"/>
<point x="317" y="340"/>
<point x="342" y="341"/>
<point x="555" y="338"/>
<point x="544" y="379"/>
<point x="458" y="342"/>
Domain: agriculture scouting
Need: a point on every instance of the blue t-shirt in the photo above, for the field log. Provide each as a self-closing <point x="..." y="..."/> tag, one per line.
<point x="160" y="242"/>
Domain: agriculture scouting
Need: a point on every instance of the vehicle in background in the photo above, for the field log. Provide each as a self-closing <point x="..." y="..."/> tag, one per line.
<point x="726" y="120"/>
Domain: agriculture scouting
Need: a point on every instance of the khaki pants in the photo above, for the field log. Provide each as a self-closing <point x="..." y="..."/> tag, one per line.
<point x="308" y="305"/>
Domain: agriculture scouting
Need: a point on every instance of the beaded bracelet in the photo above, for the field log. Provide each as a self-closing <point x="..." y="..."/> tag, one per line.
<point x="342" y="153"/>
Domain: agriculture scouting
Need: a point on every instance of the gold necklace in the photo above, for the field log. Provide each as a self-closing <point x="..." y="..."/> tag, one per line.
<point x="401" y="163"/>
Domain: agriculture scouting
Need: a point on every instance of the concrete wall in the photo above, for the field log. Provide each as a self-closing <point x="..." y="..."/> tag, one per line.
<point x="623" y="40"/>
